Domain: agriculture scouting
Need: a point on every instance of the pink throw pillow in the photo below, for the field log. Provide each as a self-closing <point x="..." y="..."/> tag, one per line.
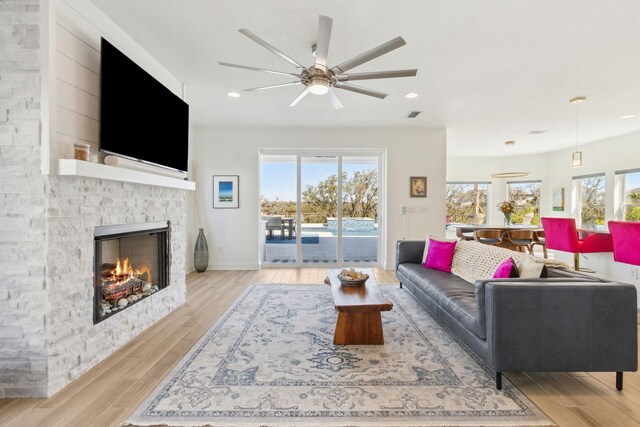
<point x="440" y="255"/>
<point x="506" y="269"/>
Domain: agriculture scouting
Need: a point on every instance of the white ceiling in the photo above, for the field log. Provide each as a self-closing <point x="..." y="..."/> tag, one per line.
<point x="488" y="71"/>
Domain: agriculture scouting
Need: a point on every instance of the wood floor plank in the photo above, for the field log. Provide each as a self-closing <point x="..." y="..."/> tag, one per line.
<point x="109" y="392"/>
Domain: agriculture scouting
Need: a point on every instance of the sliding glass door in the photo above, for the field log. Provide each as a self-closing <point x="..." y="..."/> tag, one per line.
<point x="320" y="208"/>
<point x="360" y="209"/>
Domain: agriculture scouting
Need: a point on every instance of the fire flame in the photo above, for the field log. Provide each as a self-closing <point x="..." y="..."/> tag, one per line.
<point x="125" y="271"/>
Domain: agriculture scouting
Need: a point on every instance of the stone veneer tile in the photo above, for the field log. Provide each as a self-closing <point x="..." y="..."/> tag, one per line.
<point x="47" y="336"/>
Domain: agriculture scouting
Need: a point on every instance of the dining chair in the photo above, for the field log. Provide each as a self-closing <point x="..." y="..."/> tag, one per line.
<point x="464" y="235"/>
<point x="561" y="234"/>
<point x="527" y="218"/>
<point x="488" y="236"/>
<point x="625" y="236"/>
<point x="539" y="240"/>
<point x="275" y="223"/>
<point x="520" y="239"/>
<point x="475" y="219"/>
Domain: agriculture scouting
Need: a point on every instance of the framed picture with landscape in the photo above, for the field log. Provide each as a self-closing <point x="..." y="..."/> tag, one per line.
<point x="225" y="191"/>
<point x="418" y="186"/>
<point x="558" y="198"/>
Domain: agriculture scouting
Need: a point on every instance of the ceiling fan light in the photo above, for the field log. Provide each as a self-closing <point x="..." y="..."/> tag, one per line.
<point x="318" y="88"/>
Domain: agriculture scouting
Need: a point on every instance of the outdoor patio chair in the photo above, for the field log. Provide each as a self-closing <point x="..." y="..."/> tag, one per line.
<point x="274" y="223"/>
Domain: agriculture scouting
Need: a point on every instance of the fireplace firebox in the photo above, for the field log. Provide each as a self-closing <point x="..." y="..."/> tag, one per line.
<point x="131" y="263"/>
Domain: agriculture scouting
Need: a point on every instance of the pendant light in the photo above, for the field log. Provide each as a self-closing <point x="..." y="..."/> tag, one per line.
<point x="576" y="157"/>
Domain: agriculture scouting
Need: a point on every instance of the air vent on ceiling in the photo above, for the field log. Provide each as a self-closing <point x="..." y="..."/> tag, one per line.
<point x="413" y="114"/>
<point x="537" y="132"/>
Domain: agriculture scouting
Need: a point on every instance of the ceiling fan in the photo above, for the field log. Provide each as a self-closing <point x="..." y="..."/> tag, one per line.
<point x="318" y="78"/>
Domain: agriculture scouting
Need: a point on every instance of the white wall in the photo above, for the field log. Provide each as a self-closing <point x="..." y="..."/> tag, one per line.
<point x="232" y="234"/>
<point x="554" y="169"/>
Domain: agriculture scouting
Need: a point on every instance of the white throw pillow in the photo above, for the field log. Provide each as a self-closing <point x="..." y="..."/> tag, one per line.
<point x="530" y="269"/>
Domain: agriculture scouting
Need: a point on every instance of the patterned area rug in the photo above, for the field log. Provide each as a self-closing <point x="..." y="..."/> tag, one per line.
<point x="270" y="361"/>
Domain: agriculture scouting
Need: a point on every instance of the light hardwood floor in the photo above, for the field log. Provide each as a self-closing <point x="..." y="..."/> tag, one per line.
<point x="110" y="391"/>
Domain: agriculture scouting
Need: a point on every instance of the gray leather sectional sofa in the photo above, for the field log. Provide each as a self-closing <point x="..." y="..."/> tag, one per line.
<point x="566" y="322"/>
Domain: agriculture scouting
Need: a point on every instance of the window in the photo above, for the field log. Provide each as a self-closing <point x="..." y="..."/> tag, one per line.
<point x="526" y="196"/>
<point x="466" y="201"/>
<point x="629" y="182"/>
<point x="591" y="202"/>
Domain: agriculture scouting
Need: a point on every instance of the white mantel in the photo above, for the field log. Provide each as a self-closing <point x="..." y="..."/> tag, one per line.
<point x="83" y="168"/>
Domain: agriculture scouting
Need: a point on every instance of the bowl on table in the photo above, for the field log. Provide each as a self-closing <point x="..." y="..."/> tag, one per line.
<point x="352" y="278"/>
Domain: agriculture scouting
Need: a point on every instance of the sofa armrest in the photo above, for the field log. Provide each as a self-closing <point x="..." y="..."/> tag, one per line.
<point x="562" y="326"/>
<point x="409" y="251"/>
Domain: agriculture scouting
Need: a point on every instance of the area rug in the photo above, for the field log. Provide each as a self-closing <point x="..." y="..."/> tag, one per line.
<point x="270" y="361"/>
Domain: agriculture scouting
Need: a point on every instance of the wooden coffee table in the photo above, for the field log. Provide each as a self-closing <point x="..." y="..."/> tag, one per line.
<point x="359" y="307"/>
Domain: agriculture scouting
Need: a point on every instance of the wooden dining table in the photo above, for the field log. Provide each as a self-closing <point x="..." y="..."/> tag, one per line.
<point x="468" y="228"/>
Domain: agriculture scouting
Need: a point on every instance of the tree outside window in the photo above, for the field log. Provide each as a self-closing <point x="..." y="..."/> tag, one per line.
<point x="592" y="202"/>
<point x="631" y="197"/>
<point x="466" y="199"/>
<point x="526" y="197"/>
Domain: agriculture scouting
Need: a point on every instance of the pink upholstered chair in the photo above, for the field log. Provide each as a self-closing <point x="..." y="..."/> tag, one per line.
<point x="561" y="235"/>
<point x="626" y="241"/>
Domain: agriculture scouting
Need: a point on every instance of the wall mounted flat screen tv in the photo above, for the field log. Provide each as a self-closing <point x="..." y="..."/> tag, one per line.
<point x="140" y="118"/>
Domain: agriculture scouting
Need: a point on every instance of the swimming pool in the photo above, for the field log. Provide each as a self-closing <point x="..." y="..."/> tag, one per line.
<point x="323" y="231"/>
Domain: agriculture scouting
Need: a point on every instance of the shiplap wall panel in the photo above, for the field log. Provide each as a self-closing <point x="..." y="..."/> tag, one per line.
<point x="80" y="101"/>
<point x="75" y="47"/>
<point x="79" y="26"/>
<point x="76" y="75"/>
<point x="78" y="126"/>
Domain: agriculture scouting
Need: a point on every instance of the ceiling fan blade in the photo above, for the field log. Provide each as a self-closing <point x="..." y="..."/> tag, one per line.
<point x="334" y="99"/>
<point x="322" y="46"/>
<point x="376" y="75"/>
<point x="360" y="89"/>
<point x="369" y="55"/>
<point x="270" y="48"/>
<point x="253" y="89"/>
<point x="299" y="97"/>
<point x="244" y="67"/>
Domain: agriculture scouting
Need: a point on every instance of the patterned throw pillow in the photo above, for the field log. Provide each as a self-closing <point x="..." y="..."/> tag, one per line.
<point x="474" y="260"/>
<point x="440" y="255"/>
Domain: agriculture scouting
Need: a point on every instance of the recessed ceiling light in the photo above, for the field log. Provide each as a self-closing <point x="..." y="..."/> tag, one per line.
<point x="628" y="116"/>
<point x="233" y="94"/>
<point x="509" y="143"/>
<point x="411" y="95"/>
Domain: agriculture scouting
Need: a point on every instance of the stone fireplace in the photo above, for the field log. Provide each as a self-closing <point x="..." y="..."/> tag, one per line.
<point x="131" y="263"/>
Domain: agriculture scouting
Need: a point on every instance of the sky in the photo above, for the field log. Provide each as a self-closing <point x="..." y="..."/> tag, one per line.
<point x="279" y="179"/>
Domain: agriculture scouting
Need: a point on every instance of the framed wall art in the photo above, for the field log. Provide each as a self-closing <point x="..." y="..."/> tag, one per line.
<point x="557" y="199"/>
<point x="226" y="192"/>
<point x="418" y="186"/>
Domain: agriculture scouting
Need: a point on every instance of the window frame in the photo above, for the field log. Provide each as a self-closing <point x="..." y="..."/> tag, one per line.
<point x="620" y="191"/>
<point x="487" y="218"/>
<point x="577" y="186"/>
<point x="538" y="209"/>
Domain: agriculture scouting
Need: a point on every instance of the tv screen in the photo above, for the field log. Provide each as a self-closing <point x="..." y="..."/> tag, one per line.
<point x="140" y="118"/>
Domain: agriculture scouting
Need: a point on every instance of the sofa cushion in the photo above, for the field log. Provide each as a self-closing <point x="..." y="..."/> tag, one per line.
<point x="507" y="269"/>
<point x="529" y="269"/>
<point x="450" y="292"/>
<point x="473" y="260"/>
<point x="426" y="246"/>
<point x="440" y="255"/>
